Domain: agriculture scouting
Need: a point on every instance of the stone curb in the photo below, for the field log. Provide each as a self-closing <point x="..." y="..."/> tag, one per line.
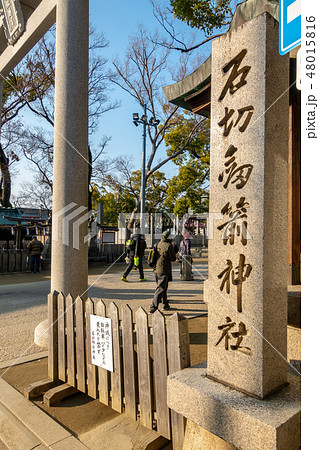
<point x="24" y="359"/>
<point x="43" y="427"/>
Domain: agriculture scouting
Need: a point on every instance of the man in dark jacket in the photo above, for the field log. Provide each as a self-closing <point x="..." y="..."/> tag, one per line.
<point x="35" y="249"/>
<point x="163" y="271"/>
<point x="135" y="252"/>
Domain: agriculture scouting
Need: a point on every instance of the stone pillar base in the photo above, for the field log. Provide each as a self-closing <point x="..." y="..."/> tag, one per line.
<point x="197" y="437"/>
<point x="41" y="334"/>
<point x="240" y="420"/>
<point x="187" y="278"/>
<point x="187" y="268"/>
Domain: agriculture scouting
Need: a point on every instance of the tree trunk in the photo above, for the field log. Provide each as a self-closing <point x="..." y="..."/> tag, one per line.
<point x="5" y="185"/>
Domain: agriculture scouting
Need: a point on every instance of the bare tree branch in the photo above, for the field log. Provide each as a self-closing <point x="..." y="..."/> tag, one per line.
<point x="165" y="18"/>
<point x="180" y="151"/>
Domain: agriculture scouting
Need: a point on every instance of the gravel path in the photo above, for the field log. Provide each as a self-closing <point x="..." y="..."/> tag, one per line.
<point x="23" y="306"/>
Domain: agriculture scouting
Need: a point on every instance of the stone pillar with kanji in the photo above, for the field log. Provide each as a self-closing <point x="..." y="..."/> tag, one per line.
<point x="246" y="290"/>
<point x="243" y="396"/>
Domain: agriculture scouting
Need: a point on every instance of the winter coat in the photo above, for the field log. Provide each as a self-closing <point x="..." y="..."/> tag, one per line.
<point x="185" y="247"/>
<point x="35" y="247"/>
<point x="166" y="256"/>
<point x="139" y="247"/>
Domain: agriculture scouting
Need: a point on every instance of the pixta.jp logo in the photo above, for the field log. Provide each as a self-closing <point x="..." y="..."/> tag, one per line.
<point x="66" y="225"/>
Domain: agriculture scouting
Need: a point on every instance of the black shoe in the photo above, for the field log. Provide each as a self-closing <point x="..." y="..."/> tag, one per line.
<point x="152" y="310"/>
<point x="167" y="307"/>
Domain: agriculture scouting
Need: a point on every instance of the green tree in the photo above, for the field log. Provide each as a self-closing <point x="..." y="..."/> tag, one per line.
<point x="119" y="193"/>
<point x="156" y="192"/>
<point x="205" y="15"/>
<point x="189" y="187"/>
<point x="111" y="205"/>
<point x="125" y="185"/>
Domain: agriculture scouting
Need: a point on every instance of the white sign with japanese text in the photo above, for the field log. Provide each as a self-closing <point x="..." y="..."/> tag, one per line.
<point x="101" y="342"/>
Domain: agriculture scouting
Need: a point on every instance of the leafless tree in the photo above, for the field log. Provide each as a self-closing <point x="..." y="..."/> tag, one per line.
<point x="40" y="64"/>
<point x="142" y="75"/>
<point x="9" y="155"/>
<point x="121" y="181"/>
<point x="36" y="145"/>
<point x="126" y="182"/>
<point x="31" y="85"/>
<point x="34" y="194"/>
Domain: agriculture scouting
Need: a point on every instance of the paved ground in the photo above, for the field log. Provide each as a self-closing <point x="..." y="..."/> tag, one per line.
<point x="86" y="418"/>
<point x="23" y="304"/>
<point x="23" y="301"/>
<point x="24" y="426"/>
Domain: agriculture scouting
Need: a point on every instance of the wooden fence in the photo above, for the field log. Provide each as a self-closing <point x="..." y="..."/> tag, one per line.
<point x="109" y="253"/>
<point x="143" y="356"/>
<point x="13" y="260"/>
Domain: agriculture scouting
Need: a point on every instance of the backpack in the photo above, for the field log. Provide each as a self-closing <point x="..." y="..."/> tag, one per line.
<point x="182" y="248"/>
<point x="153" y="257"/>
<point x="130" y="245"/>
<point x="142" y="244"/>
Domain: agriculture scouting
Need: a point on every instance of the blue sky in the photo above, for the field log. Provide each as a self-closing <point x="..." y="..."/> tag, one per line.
<point x="118" y="23"/>
<point x="117" y="20"/>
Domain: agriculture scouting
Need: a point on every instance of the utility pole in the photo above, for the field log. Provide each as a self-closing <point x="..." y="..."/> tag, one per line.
<point x="143" y="173"/>
<point x="153" y="123"/>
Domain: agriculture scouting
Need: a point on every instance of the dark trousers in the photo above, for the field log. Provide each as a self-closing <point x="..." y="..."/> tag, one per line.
<point x="160" y="294"/>
<point x="35" y="261"/>
<point x="130" y="267"/>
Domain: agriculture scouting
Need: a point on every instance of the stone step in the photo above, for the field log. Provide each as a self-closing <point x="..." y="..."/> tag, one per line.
<point x="28" y="426"/>
<point x="125" y="433"/>
<point x="14" y="434"/>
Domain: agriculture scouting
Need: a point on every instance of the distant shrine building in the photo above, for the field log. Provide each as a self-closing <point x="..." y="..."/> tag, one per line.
<point x="194" y="94"/>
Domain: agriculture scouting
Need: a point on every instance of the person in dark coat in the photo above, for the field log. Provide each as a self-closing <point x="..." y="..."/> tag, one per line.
<point x="135" y="252"/>
<point x="163" y="271"/>
<point x="35" y="249"/>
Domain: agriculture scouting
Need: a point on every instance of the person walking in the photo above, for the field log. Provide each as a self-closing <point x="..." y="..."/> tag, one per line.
<point x="35" y="249"/>
<point x="163" y="271"/>
<point x="184" y="250"/>
<point x="135" y="249"/>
